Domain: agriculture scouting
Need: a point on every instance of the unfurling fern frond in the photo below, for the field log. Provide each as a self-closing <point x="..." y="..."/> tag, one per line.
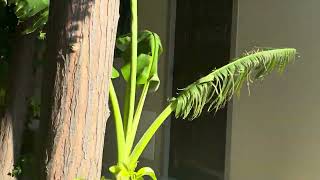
<point x="218" y="87"/>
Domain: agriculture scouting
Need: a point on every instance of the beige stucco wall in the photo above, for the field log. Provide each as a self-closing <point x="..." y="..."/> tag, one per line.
<point x="275" y="133"/>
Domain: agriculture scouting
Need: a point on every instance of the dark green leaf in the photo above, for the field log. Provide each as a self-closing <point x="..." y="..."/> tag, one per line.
<point x="39" y="22"/>
<point x="34" y="11"/>
<point x="28" y="8"/>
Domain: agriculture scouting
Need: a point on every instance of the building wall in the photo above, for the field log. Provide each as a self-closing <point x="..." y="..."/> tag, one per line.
<point x="275" y="131"/>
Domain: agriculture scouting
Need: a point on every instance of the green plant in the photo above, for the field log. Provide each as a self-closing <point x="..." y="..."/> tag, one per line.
<point x="24" y="17"/>
<point x="140" y="52"/>
<point x="21" y="165"/>
<point x="34" y="11"/>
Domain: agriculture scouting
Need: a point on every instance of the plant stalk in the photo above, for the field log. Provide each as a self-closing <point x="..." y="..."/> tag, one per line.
<point x="135" y="123"/>
<point x="118" y="123"/>
<point x="143" y="142"/>
<point x="126" y="109"/>
<point x="133" y="70"/>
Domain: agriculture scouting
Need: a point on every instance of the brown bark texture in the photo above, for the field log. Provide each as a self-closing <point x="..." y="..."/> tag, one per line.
<point x="81" y="40"/>
<point x="12" y="122"/>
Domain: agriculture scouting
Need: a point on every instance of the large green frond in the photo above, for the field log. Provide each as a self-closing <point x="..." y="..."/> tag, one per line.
<point x="217" y="88"/>
<point x="34" y="11"/>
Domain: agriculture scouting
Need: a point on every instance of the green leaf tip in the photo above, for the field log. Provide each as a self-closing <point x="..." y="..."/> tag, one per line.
<point x="115" y="73"/>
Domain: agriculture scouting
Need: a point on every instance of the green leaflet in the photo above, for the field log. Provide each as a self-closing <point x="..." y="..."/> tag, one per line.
<point x="149" y="50"/>
<point x="115" y="73"/>
<point x="218" y="87"/>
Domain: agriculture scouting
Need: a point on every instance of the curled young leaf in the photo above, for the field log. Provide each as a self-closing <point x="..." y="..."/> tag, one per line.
<point x="149" y="50"/>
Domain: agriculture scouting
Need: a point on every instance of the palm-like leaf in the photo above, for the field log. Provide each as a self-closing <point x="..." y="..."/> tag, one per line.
<point x="28" y="8"/>
<point x="218" y="87"/>
<point x="35" y="10"/>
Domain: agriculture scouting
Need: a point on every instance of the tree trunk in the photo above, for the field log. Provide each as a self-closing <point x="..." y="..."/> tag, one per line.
<point x="20" y="88"/>
<point x="81" y="40"/>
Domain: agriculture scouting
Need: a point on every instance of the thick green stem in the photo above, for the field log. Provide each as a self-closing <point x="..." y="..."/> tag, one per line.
<point x="133" y="70"/>
<point x="126" y="109"/>
<point x="118" y="122"/>
<point x="135" y="123"/>
<point x="143" y="142"/>
<point x="131" y="133"/>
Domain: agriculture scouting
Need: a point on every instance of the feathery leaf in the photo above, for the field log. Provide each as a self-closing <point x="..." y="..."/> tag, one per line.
<point x="218" y="87"/>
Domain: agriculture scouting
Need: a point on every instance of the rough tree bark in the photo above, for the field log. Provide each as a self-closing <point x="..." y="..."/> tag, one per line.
<point x="20" y="88"/>
<point x="81" y="40"/>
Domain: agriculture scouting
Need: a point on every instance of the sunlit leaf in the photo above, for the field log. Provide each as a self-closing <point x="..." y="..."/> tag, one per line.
<point x="146" y="171"/>
<point x="115" y="73"/>
<point x="219" y="86"/>
<point x="149" y="50"/>
<point x="34" y="11"/>
<point x="28" y="8"/>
